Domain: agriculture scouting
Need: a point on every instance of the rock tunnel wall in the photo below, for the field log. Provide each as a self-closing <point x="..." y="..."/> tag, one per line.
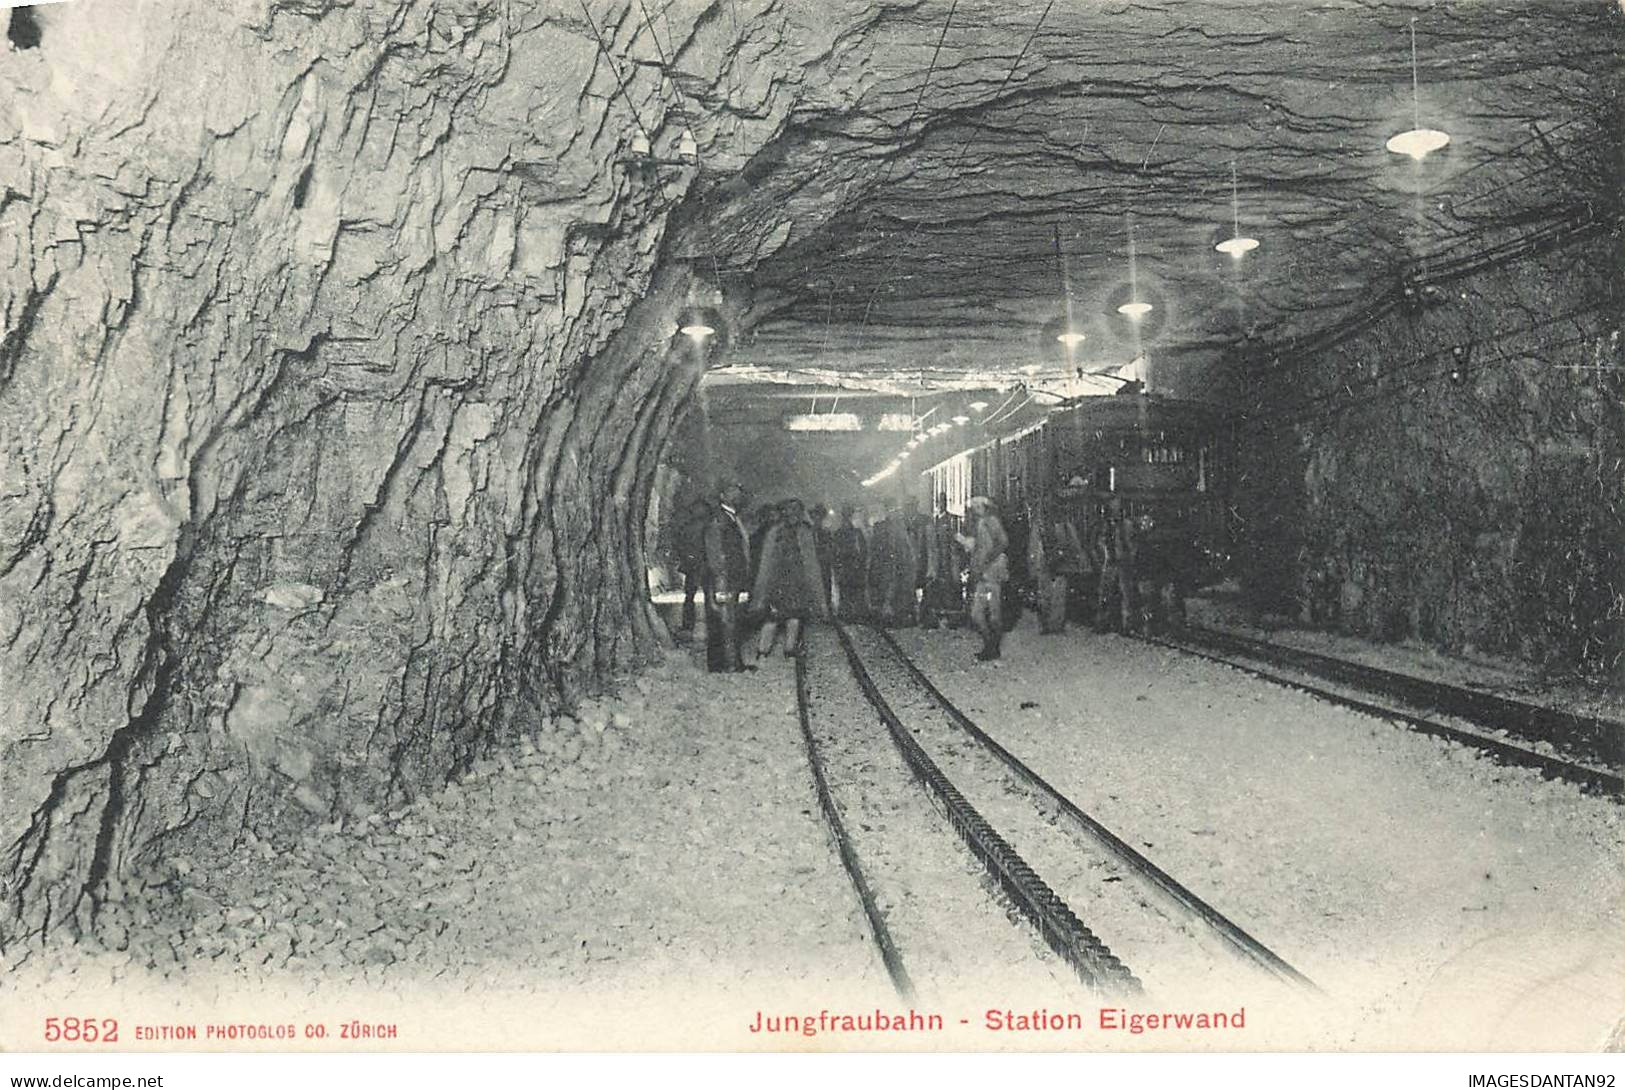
<point x="1457" y="475"/>
<point x="334" y="372"/>
<point x="332" y="378"/>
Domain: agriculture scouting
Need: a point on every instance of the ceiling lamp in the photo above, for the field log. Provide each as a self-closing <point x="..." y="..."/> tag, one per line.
<point x="1070" y="338"/>
<point x="1236" y="245"/>
<point x="961" y="420"/>
<point x="978" y="406"/>
<point x="1135" y="308"/>
<point x="1418" y="143"/>
<point x="704" y="328"/>
<point x="920" y="437"/>
<point x="687" y="147"/>
<point x="1031" y="369"/>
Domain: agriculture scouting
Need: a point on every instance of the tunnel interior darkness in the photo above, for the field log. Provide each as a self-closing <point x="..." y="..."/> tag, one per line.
<point x="328" y="450"/>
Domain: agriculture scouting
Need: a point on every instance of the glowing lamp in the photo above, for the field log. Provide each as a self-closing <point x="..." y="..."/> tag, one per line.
<point x="696" y="330"/>
<point x="920" y="437"/>
<point x="961" y="420"/>
<point x="978" y="406"/>
<point x="1071" y="339"/>
<point x="1418" y="143"/>
<point x="1236" y="247"/>
<point x="687" y="146"/>
<point x="1135" y="310"/>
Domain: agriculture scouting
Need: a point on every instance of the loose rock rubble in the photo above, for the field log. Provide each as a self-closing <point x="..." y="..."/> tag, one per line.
<point x="664" y="837"/>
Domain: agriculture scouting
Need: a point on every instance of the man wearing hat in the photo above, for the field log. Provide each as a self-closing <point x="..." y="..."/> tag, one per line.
<point x="989" y="568"/>
<point x="727" y="573"/>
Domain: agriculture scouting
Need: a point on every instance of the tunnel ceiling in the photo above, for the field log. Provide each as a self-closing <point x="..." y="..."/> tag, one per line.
<point x="916" y="201"/>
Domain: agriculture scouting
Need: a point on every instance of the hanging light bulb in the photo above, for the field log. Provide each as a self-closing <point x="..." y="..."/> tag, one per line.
<point x="640" y="143"/>
<point x="1236" y="245"/>
<point x="687" y="147"/>
<point x="961" y="420"/>
<point x="1070" y="338"/>
<point x="1418" y="143"/>
<point x="978" y="406"/>
<point x="1135" y="308"/>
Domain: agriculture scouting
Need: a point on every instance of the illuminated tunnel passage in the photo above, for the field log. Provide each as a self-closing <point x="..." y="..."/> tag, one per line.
<point x="378" y="388"/>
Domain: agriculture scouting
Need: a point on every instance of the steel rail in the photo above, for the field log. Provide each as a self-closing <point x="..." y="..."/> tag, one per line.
<point x="1585" y="736"/>
<point x="1231" y="933"/>
<point x="1062" y="931"/>
<point x="878" y="930"/>
<point x="1592" y="780"/>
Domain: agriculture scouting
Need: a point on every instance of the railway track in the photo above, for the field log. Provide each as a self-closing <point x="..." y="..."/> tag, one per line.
<point x="1593" y="748"/>
<point x="1011" y="821"/>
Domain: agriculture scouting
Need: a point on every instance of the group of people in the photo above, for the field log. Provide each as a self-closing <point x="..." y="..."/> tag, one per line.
<point x="787" y="565"/>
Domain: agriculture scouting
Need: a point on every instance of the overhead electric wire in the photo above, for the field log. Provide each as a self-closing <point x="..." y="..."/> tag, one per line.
<point x="891" y="163"/>
<point x="1008" y="76"/>
<point x="1344" y="395"/>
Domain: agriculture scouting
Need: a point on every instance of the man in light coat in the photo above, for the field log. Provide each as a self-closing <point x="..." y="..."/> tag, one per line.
<point x="987" y="545"/>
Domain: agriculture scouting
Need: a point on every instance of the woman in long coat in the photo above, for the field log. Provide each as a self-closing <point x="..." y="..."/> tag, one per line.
<point x="789" y="584"/>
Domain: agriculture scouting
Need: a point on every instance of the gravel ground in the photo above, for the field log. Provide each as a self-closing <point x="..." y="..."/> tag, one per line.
<point x="619" y="873"/>
<point x="1178" y="959"/>
<point x="1442" y="900"/>
<point x="955" y="940"/>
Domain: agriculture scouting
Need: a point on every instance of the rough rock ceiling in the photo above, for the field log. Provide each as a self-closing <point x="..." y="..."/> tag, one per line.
<point x="909" y="219"/>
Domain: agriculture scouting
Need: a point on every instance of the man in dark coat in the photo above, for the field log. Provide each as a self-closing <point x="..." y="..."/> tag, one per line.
<point x="727" y="575"/>
<point x="891" y="570"/>
<point x="918" y="526"/>
<point x="944" y="588"/>
<point x="692" y="515"/>
<point x="851" y="567"/>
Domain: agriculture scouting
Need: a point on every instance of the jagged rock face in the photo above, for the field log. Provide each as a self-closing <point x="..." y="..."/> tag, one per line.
<point x="1453" y="474"/>
<point x="332" y="377"/>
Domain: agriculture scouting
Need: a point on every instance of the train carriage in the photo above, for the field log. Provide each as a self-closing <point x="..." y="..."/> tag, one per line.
<point x="1163" y="461"/>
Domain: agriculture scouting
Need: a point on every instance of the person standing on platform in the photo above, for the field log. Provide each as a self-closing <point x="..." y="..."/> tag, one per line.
<point x="988" y="546"/>
<point x="691" y="519"/>
<point x="851" y="568"/>
<point x="823" y="524"/>
<point x="727" y="571"/>
<point x="1116" y="600"/>
<point x="789" y="587"/>
<point x="944" y="584"/>
<point x="1055" y="557"/>
<point x="918" y="526"/>
<point x="891" y="570"/>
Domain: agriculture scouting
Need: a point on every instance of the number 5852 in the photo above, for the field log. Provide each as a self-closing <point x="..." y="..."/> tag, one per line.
<point x="87" y="1030"/>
